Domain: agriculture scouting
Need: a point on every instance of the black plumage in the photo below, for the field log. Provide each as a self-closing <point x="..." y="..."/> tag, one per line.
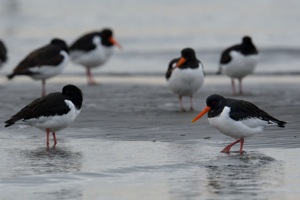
<point x="239" y="110"/>
<point x="85" y="42"/>
<point x="48" y="55"/>
<point x="3" y="52"/>
<point x="52" y="104"/>
<point x="245" y="48"/>
<point x="191" y="61"/>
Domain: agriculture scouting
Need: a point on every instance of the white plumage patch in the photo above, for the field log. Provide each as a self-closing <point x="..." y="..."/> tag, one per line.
<point x="57" y="122"/>
<point x="45" y="71"/>
<point x="240" y="65"/>
<point x="93" y="58"/>
<point x="186" y="82"/>
<point x="237" y="129"/>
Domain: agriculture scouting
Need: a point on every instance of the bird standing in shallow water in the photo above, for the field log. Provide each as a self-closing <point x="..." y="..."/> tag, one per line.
<point x="93" y="50"/>
<point x="44" y="63"/>
<point x="52" y="112"/>
<point x="237" y="118"/>
<point x="185" y="75"/>
<point x="239" y="61"/>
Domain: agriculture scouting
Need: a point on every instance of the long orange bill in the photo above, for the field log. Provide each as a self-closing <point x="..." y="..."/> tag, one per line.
<point x="180" y="62"/>
<point x="114" y="42"/>
<point x="205" y="110"/>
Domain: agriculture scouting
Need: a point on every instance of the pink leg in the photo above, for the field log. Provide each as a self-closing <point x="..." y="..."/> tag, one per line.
<point x="240" y="86"/>
<point x="228" y="147"/>
<point x="191" y="103"/>
<point x="241" y="145"/>
<point x="47" y="140"/>
<point x="233" y="86"/>
<point x="43" y="87"/>
<point x="54" y="138"/>
<point x="91" y="80"/>
<point x="181" y="104"/>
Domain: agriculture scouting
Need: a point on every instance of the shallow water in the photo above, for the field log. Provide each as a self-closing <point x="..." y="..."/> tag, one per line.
<point x="100" y="169"/>
<point x="128" y="143"/>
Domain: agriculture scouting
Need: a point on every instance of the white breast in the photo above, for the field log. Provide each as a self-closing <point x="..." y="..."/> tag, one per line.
<point x="93" y="58"/>
<point x="240" y="65"/>
<point x="45" y="71"/>
<point x="56" y="123"/>
<point x="237" y="129"/>
<point x="186" y="82"/>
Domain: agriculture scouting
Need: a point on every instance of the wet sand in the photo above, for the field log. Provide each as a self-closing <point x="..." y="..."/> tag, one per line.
<point x="131" y="142"/>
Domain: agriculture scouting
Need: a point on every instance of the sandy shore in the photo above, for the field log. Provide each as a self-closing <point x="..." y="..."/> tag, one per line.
<point x="131" y="142"/>
<point x="143" y="108"/>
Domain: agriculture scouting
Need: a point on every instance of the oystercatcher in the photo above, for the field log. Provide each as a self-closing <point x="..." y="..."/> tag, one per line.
<point x="44" y="63"/>
<point x="237" y="118"/>
<point x="3" y="54"/>
<point x="93" y="50"/>
<point x="52" y="112"/>
<point x="185" y="75"/>
<point x="239" y="61"/>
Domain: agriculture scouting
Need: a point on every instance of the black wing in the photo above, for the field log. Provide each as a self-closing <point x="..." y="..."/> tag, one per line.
<point x="48" y="55"/>
<point x="243" y="109"/>
<point x="3" y="52"/>
<point x="84" y="43"/>
<point x="50" y="105"/>
<point x="171" y="67"/>
<point x="225" y="56"/>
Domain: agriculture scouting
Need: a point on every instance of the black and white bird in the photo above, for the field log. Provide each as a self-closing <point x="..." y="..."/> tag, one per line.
<point x="44" y="63"/>
<point x="239" y="61"/>
<point x="185" y="75"/>
<point x="237" y="118"/>
<point x="93" y="50"/>
<point x="52" y="112"/>
<point x="3" y="53"/>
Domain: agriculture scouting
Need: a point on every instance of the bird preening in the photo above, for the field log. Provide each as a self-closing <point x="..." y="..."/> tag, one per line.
<point x="236" y="118"/>
<point x="52" y="112"/>
<point x="185" y="75"/>
<point x="239" y="61"/>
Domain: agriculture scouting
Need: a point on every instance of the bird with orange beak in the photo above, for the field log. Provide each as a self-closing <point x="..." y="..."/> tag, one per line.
<point x="185" y="75"/>
<point x="236" y="118"/>
<point x="93" y="50"/>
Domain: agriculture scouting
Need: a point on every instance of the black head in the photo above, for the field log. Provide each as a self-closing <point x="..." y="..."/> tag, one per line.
<point x="106" y="33"/>
<point x="247" y="46"/>
<point x="108" y="39"/>
<point x="247" y="40"/>
<point x="188" y="53"/>
<point x="60" y="43"/>
<point x="215" y="101"/>
<point x="74" y="94"/>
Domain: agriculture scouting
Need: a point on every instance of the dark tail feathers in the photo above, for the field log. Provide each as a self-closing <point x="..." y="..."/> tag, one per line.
<point x="10" y="76"/>
<point x="9" y="122"/>
<point x="281" y="124"/>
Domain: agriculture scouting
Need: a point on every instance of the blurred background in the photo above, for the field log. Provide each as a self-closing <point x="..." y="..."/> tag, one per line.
<point x="153" y="32"/>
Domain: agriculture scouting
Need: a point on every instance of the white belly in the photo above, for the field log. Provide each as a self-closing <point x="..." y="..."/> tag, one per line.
<point x="45" y="72"/>
<point x="55" y="123"/>
<point x="240" y="65"/>
<point x="186" y="82"/>
<point x="94" y="58"/>
<point x="237" y="129"/>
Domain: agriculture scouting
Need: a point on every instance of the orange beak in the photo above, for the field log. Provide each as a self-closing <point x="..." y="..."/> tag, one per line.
<point x="205" y="110"/>
<point x="180" y="62"/>
<point x="114" y="42"/>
